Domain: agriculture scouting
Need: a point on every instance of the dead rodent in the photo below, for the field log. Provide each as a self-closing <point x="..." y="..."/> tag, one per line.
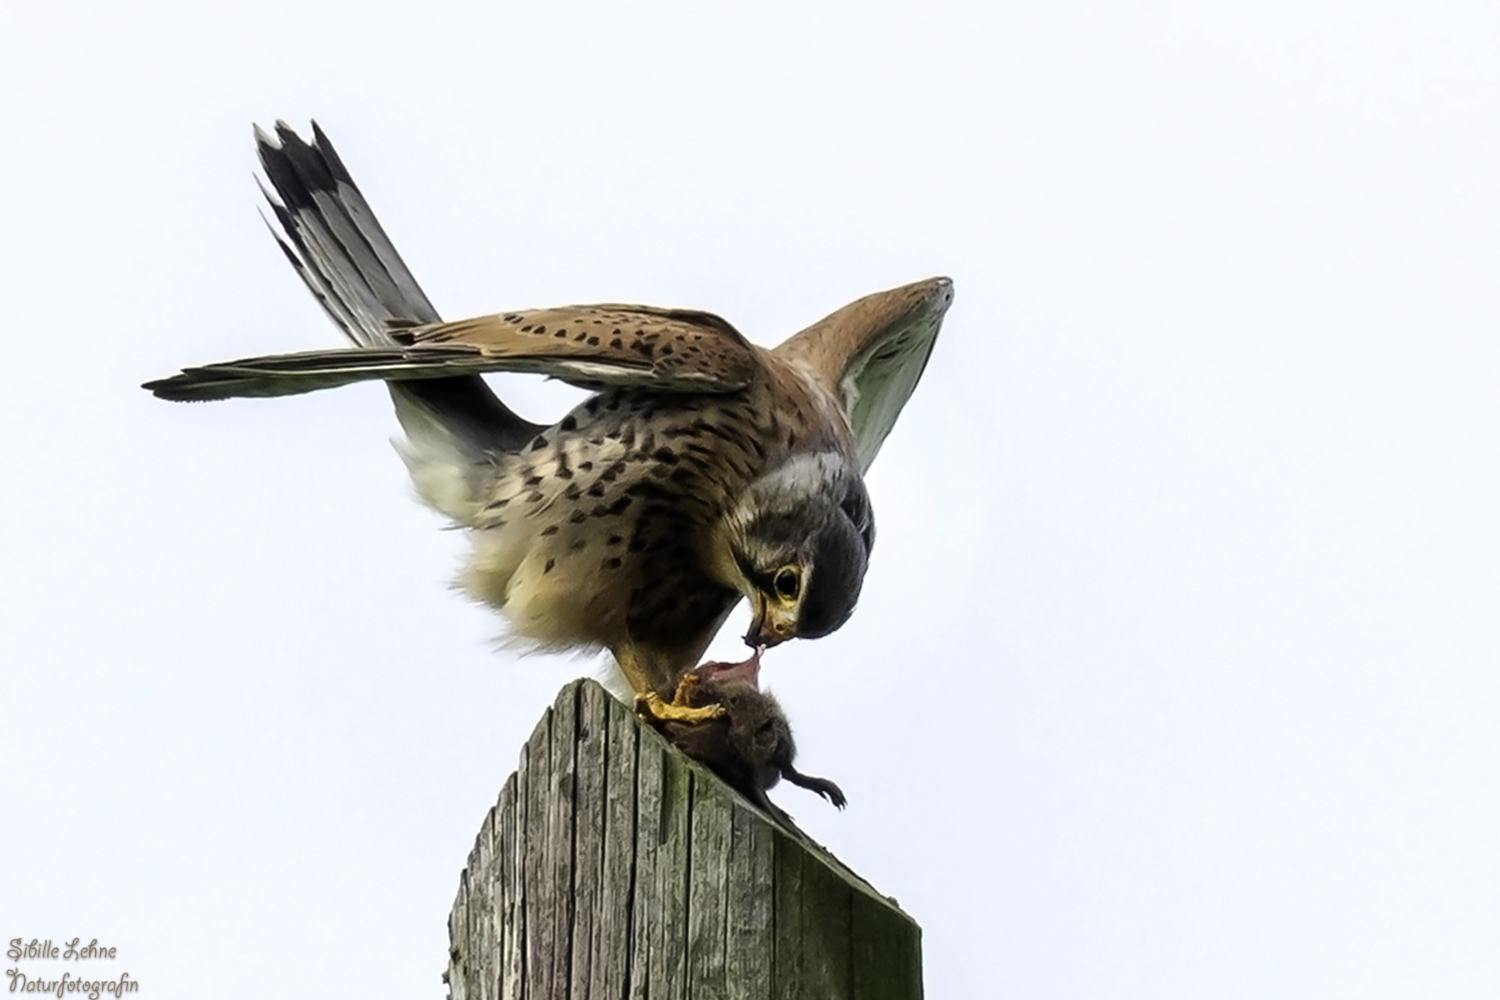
<point x="750" y="746"/>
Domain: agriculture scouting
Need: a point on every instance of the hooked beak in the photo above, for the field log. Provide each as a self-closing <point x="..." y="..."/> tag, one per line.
<point x="772" y="625"/>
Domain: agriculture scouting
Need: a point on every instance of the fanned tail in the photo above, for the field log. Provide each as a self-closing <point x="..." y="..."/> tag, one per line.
<point x="334" y="241"/>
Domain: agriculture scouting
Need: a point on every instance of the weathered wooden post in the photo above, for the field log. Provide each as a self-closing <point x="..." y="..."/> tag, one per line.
<point x="615" y="868"/>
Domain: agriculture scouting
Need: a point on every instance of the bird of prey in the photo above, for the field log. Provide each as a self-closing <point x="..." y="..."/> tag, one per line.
<point x="703" y="469"/>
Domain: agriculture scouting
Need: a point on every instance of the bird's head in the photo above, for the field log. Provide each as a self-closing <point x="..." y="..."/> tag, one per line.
<point x="799" y="541"/>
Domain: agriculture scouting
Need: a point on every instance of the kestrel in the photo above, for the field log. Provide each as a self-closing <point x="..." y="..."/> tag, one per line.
<point x="703" y="469"/>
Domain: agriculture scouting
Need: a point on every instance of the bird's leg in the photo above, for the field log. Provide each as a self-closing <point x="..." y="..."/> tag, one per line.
<point x="683" y="696"/>
<point x="648" y="702"/>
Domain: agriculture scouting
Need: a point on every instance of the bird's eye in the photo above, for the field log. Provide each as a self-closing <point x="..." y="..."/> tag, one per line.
<point x="788" y="583"/>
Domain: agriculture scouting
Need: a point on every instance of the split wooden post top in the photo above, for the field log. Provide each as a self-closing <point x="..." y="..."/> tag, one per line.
<point x="615" y="868"/>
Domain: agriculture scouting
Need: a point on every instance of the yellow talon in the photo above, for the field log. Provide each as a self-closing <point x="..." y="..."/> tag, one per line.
<point x="652" y="705"/>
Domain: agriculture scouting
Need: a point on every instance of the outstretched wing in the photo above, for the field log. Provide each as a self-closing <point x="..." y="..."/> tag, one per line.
<point x="871" y="353"/>
<point x="666" y="350"/>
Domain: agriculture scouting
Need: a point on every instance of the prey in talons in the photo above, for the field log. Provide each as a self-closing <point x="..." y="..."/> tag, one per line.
<point x="748" y="742"/>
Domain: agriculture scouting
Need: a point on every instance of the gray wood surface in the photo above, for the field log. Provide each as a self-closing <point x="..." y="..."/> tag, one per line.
<point x="614" y="868"/>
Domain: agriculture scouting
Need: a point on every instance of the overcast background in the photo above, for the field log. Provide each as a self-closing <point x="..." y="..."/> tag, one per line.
<point x="1177" y="670"/>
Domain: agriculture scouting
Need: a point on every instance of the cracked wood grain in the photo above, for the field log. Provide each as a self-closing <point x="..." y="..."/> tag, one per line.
<point x="614" y="868"/>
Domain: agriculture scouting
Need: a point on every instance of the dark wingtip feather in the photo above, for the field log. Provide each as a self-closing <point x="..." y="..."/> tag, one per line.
<point x="182" y="389"/>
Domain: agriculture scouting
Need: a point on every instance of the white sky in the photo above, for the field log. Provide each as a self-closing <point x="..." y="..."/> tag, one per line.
<point x="1178" y="667"/>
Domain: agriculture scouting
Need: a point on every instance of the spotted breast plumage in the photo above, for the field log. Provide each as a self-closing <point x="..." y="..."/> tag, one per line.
<point x="702" y="470"/>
